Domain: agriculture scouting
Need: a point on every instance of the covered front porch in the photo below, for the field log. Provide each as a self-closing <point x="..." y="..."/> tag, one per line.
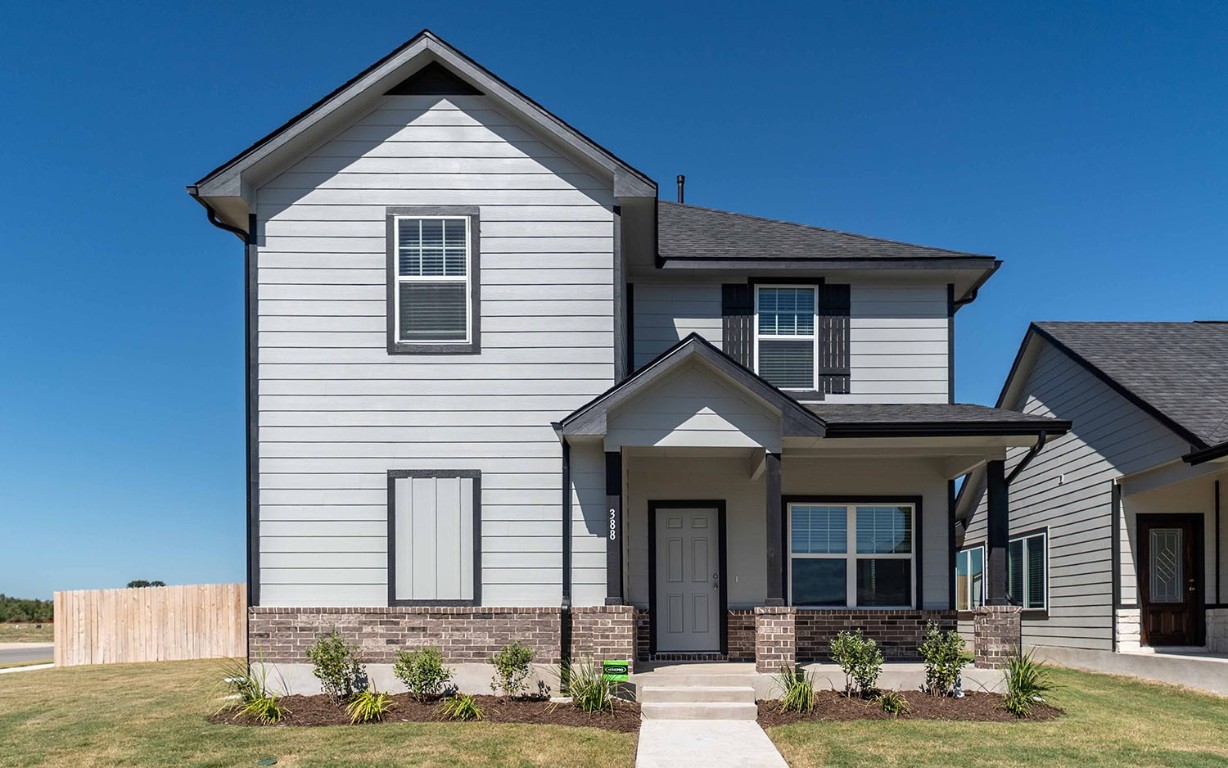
<point x="741" y="525"/>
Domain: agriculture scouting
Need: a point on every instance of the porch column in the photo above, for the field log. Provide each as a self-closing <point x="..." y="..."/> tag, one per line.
<point x="775" y="532"/>
<point x="998" y="523"/>
<point x="614" y="536"/>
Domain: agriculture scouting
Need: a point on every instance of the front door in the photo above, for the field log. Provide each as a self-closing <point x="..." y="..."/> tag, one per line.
<point x="688" y="580"/>
<point x="1170" y="579"/>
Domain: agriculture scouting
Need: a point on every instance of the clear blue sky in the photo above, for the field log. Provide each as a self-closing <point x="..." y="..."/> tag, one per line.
<point x="1086" y="146"/>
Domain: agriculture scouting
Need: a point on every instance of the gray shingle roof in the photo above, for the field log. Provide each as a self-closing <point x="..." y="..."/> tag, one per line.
<point x="688" y="232"/>
<point x="1179" y="369"/>
<point x="855" y="417"/>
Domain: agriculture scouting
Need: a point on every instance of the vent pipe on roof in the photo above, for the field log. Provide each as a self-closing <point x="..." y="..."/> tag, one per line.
<point x="681" y="188"/>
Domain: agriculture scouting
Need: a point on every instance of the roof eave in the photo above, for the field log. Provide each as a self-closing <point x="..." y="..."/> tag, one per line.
<point x="948" y="429"/>
<point x="226" y="181"/>
<point x="1212" y="453"/>
<point x="987" y="263"/>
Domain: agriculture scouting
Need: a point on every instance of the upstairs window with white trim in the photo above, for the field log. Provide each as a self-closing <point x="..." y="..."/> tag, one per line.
<point x="851" y="555"/>
<point x="432" y="294"/>
<point x="969" y="578"/>
<point x="785" y="338"/>
<point x="1027" y="567"/>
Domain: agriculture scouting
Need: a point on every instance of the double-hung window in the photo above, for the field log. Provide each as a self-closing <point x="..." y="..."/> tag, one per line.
<point x="432" y="281"/>
<point x="1027" y="560"/>
<point x="851" y="555"/>
<point x="785" y="338"/>
<point x="970" y="578"/>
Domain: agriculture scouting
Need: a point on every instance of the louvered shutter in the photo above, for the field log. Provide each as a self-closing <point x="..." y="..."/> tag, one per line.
<point x="834" y="370"/>
<point x="737" y="322"/>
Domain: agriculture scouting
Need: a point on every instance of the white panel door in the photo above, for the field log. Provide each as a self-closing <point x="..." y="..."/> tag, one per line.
<point x="688" y="601"/>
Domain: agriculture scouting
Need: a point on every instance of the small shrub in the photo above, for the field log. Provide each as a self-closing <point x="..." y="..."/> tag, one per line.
<point x="797" y="691"/>
<point x="369" y="706"/>
<point x="588" y="687"/>
<point x="893" y="703"/>
<point x="248" y="691"/>
<point x="512" y="670"/>
<point x="860" y="659"/>
<point x="423" y="672"/>
<point x="337" y="667"/>
<point x="1026" y="680"/>
<point x="263" y="709"/>
<point x="460" y="708"/>
<point x="944" y="656"/>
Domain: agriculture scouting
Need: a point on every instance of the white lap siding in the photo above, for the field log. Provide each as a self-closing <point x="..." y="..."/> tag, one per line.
<point x="1068" y="490"/>
<point x="337" y="412"/>
<point x="666" y="313"/>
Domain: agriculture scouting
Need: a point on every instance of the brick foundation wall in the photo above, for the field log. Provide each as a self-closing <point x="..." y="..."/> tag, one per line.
<point x="741" y="635"/>
<point x="775" y="638"/>
<point x="1217" y="630"/>
<point x="604" y="632"/>
<point x="898" y="633"/>
<point x="464" y="634"/>
<point x="995" y="634"/>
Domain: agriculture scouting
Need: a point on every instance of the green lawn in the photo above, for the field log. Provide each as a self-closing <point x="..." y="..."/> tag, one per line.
<point x="25" y="633"/>
<point x="154" y="715"/>
<point x="1109" y="721"/>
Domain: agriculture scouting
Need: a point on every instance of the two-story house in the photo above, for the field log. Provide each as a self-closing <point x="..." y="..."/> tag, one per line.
<point x="498" y="390"/>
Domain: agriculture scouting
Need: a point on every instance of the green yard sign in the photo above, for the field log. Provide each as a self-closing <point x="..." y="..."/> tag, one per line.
<point x="616" y="670"/>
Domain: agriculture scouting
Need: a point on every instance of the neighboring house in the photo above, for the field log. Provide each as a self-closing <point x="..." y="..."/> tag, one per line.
<point x="499" y="391"/>
<point x="1117" y="537"/>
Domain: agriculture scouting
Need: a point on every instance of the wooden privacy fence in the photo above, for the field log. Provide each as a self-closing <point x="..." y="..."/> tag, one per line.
<point x="112" y="626"/>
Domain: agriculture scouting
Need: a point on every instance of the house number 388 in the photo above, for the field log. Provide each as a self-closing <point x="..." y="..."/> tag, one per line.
<point x="613" y="524"/>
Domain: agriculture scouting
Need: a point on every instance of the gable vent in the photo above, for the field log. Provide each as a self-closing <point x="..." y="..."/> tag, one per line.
<point x="433" y="80"/>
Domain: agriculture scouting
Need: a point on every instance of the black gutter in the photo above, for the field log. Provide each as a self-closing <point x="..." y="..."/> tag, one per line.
<point x="1194" y="458"/>
<point x="565" y="606"/>
<point x="250" y="412"/>
<point x="1219" y="598"/>
<point x="946" y="429"/>
<point x="1027" y="459"/>
<point x="974" y="291"/>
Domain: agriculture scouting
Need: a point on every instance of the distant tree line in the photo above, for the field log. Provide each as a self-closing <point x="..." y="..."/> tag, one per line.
<point x="135" y="583"/>
<point x="16" y="609"/>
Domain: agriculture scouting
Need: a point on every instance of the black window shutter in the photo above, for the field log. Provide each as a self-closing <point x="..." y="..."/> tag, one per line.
<point x="738" y="314"/>
<point x="834" y="372"/>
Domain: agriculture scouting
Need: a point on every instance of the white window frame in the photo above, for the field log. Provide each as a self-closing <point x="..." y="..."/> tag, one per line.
<point x="851" y="555"/>
<point x="814" y="335"/>
<point x="399" y="279"/>
<point x="1042" y="534"/>
<point x="969" y="602"/>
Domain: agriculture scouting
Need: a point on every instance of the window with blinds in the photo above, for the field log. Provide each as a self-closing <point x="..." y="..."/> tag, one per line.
<point x="1026" y="571"/>
<point x="785" y="339"/>
<point x="851" y="555"/>
<point x="432" y="292"/>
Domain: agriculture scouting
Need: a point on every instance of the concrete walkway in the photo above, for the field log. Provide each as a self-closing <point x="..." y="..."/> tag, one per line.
<point x="705" y="744"/>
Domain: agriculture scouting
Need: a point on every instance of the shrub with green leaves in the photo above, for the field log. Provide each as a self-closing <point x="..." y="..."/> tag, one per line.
<point x="460" y="708"/>
<point x="1027" y="680"/>
<point x="796" y="691"/>
<point x="944" y="655"/>
<point x="423" y="672"/>
<point x="369" y="706"/>
<point x="860" y="659"/>
<point x="588" y="687"/>
<point x="337" y="667"/>
<point x="512" y="670"/>
<point x="248" y="691"/>
<point x="893" y="703"/>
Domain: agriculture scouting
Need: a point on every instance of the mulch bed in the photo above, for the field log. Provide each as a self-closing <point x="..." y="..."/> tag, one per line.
<point x="973" y="707"/>
<point x="321" y="710"/>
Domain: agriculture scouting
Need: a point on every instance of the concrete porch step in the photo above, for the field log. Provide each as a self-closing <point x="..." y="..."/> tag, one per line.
<point x="716" y="710"/>
<point x="696" y="694"/>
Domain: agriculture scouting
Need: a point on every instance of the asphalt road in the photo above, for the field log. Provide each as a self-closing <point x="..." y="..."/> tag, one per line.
<point x="16" y="653"/>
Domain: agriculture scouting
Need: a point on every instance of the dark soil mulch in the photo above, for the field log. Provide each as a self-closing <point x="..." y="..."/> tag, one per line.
<point x="321" y="710"/>
<point x="973" y="707"/>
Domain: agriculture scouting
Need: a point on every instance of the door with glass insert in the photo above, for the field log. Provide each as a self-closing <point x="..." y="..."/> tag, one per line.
<point x="1170" y="580"/>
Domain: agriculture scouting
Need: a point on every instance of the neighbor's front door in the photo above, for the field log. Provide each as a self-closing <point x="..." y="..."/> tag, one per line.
<point x="1170" y="580"/>
<point x="688" y="580"/>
